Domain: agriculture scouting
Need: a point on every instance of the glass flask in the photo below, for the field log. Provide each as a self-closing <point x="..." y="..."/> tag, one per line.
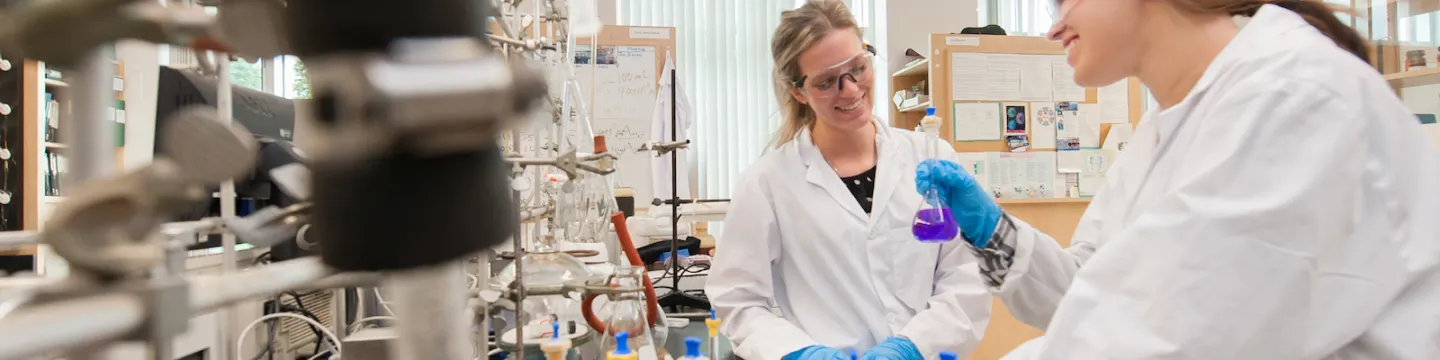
<point x="627" y="313"/>
<point x="933" y="221"/>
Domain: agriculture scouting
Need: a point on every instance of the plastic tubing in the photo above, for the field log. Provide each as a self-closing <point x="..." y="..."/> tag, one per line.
<point x="652" y="308"/>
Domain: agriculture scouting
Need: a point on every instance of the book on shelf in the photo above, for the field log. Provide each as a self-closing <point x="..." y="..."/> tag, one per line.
<point x="52" y="118"/>
<point x="54" y="172"/>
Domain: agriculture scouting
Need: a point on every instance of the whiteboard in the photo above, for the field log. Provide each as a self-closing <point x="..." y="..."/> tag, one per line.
<point x="618" y="86"/>
<point x="623" y="108"/>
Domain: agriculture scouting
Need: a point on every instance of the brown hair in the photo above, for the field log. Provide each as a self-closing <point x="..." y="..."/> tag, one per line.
<point x="800" y="29"/>
<point x="1317" y="13"/>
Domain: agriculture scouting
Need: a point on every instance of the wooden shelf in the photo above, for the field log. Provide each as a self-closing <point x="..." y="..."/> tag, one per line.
<point x="921" y="67"/>
<point x="55" y="83"/>
<point x="52" y="199"/>
<point x="917" y="107"/>
<point x="1043" y="201"/>
<point x="29" y="250"/>
<point x="55" y="145"/>
<point x="1416" y="7"/>
<point x="1414" y="78"/>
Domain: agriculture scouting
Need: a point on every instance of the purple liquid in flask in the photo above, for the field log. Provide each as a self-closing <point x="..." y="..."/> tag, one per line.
<point x="933" y="222"/>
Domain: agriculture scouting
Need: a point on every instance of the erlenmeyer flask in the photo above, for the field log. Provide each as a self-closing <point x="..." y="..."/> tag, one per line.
<point x="626" y="313"/>
<point x="933" y="221"/>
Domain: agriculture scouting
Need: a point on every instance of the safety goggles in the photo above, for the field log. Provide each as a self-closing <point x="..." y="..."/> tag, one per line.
<point x="828" y="83"/>
<point x="1060" y="8"/>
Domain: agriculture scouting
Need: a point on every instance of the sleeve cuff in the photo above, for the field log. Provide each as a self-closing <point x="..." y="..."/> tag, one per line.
<point x="1021" y="256"/>
<point x="996" y="258"/>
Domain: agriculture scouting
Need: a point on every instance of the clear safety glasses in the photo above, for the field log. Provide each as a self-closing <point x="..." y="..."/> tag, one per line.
<point x="1058" y="10"/>
<point x="828" y="83"/>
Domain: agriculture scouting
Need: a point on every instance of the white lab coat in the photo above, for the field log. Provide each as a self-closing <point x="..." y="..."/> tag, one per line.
<point x="660" y="133"/>
<point x="796" y="237"/>
<point x="1286" y="209"/>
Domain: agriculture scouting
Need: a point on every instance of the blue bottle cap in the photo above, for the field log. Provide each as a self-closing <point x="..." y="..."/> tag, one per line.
<point x="854" y="355"/>
<point x="946" y="355"/>
<point x="555" y="330"/>
<point x="692" y="347"/>
<point x="622" y="343"/>
<point x="712" y="313"/>
<point x="929" y="111"/>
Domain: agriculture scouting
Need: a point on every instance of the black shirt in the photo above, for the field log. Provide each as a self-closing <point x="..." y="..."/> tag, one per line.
<point x="862" y="186"/>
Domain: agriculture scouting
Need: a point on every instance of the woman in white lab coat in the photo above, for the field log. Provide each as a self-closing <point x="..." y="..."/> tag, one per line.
<point x="1280" y="204"/>
<point x="820" y="225"/>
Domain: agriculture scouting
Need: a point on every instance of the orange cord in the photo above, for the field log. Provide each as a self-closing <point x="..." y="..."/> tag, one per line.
<point x="622" y="233"/>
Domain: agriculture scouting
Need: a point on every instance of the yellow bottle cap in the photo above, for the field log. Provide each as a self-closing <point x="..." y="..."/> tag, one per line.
<point x="713" y="323"/>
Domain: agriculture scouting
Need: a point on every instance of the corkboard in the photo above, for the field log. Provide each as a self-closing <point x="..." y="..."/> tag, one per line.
<point x="1054" y="217"/>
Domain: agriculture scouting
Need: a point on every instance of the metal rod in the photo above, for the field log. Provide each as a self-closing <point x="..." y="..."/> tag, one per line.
<point x="91" y="135"/>
<point x="430" y="306"/>
<point x="215" y="291"/>
<point x="535" y="212"/>
<point x="14" y="239"/>
<point x="224" y="104"/>
<point x="519" y="284"/>
<point x="162" y="349"/>
<point x="54" y="326"/>
<point x="483" y="273"/>
<point x="674" y="190"/>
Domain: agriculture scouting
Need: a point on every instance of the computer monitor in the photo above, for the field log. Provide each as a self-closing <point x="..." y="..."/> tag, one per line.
<point x="265" y="115"/>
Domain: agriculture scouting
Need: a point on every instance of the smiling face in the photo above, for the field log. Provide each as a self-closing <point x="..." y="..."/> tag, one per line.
<point x="838" y="80"/>
<point x="1100" y="38"/>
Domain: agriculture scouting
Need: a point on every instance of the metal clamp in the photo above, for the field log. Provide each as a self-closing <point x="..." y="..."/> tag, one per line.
<point x="662" y="148"/>
<point x="569" y="163"/>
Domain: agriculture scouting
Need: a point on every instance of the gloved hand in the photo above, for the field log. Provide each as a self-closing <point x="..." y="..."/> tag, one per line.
<point x="894" y="348"/>
<point x="974" y="210"/>
<point x="817" y="352"/>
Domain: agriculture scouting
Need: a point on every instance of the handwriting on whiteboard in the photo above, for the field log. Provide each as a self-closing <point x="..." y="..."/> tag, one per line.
<point x="624" y="93"/>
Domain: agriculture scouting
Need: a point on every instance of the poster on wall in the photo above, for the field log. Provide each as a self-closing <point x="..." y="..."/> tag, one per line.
<point x="1042" y="128"/>
<point x="1015" y="118"/>
<point x="1069" y="123"/>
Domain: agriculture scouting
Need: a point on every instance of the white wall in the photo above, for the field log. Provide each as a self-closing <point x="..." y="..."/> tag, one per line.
<point x="910" y="22"/>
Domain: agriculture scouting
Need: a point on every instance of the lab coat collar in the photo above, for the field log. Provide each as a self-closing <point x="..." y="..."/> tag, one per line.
<point x="820" y="173"/>
<point x="1268" y="22"/>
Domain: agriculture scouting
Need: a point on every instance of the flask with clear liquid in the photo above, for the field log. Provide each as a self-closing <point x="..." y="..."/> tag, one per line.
<point x="933" y="221"/>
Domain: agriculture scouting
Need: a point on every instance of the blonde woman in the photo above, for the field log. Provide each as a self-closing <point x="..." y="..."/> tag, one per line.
<point x="820" y="225"/>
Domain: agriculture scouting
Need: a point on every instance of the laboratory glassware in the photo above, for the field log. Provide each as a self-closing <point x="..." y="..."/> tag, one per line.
<point x="933" y="222"/>
<point x="626" y="311"/>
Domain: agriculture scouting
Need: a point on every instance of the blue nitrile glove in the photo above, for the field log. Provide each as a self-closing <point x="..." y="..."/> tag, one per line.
<point x="894" y="348"/>
<point x="817" y="352"/>
<point x="973" y="209"/>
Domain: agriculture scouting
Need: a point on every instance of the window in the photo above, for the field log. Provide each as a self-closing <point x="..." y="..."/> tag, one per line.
<point x="247" y="74"/>
<point x="724" y="48"/>
<point x="1018" y="17"/>
<point x="292" y="77"/>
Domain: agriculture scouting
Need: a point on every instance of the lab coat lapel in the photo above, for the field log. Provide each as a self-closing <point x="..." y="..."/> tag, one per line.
<point x="889" y="171"/>
<point x="819" y="173"/>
